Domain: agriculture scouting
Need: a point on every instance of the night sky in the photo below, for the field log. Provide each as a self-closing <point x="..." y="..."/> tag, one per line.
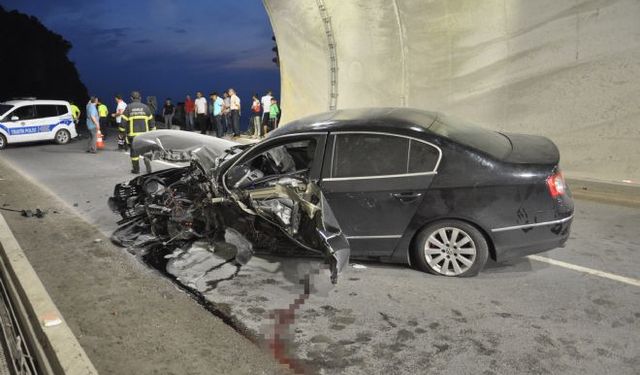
<point x="165" y="48"/>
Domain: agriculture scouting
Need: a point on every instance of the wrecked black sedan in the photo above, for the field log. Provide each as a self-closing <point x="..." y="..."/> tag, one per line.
<point x="395" y="185"/>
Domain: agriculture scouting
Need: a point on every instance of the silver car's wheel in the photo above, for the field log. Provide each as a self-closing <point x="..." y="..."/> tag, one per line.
<point x="450" y="248"/>
<point x="450" y="251"/>
<point x="3" y="142"/>
<point x="62" y="137"/>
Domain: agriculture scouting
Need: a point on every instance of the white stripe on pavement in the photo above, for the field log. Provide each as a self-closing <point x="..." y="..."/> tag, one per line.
<point x="590" y="271"/>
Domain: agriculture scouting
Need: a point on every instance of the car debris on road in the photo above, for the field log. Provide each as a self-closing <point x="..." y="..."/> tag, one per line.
<point x="39" y="213"/>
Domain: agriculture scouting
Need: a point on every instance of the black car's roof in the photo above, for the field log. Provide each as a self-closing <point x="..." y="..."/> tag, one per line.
<point x="407" y="121"/>
<point x="370" y="119"/>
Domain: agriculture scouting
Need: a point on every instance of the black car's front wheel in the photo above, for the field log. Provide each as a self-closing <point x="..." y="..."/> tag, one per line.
<point x="450" y="248"/>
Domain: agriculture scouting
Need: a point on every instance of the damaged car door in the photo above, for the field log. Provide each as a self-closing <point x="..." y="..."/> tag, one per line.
<point x="376" y="182"/>
<point x="277" y="180"/>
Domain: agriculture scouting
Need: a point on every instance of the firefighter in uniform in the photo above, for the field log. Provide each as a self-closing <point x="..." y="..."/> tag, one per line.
<point x="137" y="119"/>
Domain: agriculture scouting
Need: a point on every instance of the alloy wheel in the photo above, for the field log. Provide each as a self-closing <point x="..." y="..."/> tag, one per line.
<point x="62" y="137"/>
<point x="450" y="251"/>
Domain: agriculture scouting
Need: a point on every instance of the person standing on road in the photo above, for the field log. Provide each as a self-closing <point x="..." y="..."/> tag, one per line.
<point x="266" y="105"/>
<point x="234" y="106"/>
<point x="274" y="112"/>
<point x="139" y="119"/>
<point x="168" y="110"/>
<point x="256" y="113"/>
<point x="201" y="112"/>
<point x="189" y="113"/>
<point x="217" y="103"/>
<point x="226" y="107"/>
<point x="93" y="124"/>
<point x="75" y="113"/>
<point x="122" y="134"/>
<point x="103" y="112"/>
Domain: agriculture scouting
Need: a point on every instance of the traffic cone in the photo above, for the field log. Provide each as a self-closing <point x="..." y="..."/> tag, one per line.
<point x="99" y="141"/>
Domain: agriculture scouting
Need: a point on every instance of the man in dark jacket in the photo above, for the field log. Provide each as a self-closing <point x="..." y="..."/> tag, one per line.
<point x="138" y="119"/>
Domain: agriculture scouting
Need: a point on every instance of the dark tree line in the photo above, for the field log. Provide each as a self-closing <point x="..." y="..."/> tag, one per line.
<point x="34" y="61"/>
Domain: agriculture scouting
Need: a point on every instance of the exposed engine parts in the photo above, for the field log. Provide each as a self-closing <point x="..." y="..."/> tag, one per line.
<point x="258" y="204"/>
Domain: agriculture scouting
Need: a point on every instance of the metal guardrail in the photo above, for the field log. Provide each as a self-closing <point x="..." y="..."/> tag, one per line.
<point x="19" y="359"/>
<point x="25" y="355"/>
<point x="37" y="341"/>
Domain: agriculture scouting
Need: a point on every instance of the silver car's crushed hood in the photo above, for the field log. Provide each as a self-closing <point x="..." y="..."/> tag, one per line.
<point x="180" y="146"/>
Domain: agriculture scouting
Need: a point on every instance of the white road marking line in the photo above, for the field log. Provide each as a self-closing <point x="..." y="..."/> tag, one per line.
<point x="590" y="271"/>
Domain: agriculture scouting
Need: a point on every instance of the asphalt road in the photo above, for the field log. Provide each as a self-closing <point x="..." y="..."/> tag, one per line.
<point x="522" y="316"/>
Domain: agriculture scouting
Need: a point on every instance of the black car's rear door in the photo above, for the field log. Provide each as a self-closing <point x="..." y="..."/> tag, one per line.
<point x="375" y="183"/>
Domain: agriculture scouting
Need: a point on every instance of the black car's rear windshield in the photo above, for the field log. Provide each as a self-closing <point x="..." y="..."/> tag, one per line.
<point x="4" y="108"/>
<point x="468" y="134"/>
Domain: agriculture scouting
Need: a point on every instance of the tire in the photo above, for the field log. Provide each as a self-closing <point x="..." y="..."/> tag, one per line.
<point x="3" y="142"/>
<point x="62" y="137"/>
<point x="433" y="250"/>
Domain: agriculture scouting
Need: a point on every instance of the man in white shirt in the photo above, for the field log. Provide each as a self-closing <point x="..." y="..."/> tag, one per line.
<point x="122" y="137"/>
<point x="234" y="106"/>
<point x="201" y="112"/>
<point x="266" y="104"/>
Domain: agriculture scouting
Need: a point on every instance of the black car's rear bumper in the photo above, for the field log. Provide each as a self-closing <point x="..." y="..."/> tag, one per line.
<point x="521" y="240"/>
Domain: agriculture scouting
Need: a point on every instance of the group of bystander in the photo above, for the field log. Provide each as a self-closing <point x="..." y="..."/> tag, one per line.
<point x="220" y="115"/>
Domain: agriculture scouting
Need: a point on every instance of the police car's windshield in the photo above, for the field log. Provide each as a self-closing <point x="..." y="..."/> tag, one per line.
<point x="4" y="108"/>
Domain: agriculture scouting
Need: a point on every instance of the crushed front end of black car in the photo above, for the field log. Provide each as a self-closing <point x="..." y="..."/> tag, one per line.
<point x="173" y="208"/>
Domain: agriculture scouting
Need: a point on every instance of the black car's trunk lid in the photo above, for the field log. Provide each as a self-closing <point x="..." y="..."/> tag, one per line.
<point x="532" y="149"/>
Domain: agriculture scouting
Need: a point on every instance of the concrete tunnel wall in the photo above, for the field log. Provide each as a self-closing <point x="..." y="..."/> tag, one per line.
<point x="566" y="69"/>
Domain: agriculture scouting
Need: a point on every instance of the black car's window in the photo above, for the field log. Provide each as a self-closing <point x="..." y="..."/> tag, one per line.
<point x="293" y="159"/>
<point x="422" y="157"/>
<point x="43" y="110"/>
<point x="62" y="109"/>
<point x="363" y="154"/>
<point x="24" y="113"/>
<point x="286" y="158"/>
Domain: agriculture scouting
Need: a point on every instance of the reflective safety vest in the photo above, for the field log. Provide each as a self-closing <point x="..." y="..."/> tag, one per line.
<point x="75" y="111"/>
<point x="103" y="111"/>
<point x="139" y="118"/>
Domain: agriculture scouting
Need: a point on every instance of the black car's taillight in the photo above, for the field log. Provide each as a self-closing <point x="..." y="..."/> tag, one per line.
<point x="556" y="185"/>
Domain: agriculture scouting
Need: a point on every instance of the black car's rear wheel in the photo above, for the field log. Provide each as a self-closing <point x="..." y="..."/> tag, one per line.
<point x="450" y="248"/>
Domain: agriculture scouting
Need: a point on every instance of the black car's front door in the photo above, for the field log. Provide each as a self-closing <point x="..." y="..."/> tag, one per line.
<point x="277" y="180"/>
<point x="375" y="183"/>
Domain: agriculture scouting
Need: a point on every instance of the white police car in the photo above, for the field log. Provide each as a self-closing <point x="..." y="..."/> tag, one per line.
<point x="29" y="120"/>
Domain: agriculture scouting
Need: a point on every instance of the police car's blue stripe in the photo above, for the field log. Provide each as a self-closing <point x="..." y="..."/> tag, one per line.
<point x="23" y="130"/>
